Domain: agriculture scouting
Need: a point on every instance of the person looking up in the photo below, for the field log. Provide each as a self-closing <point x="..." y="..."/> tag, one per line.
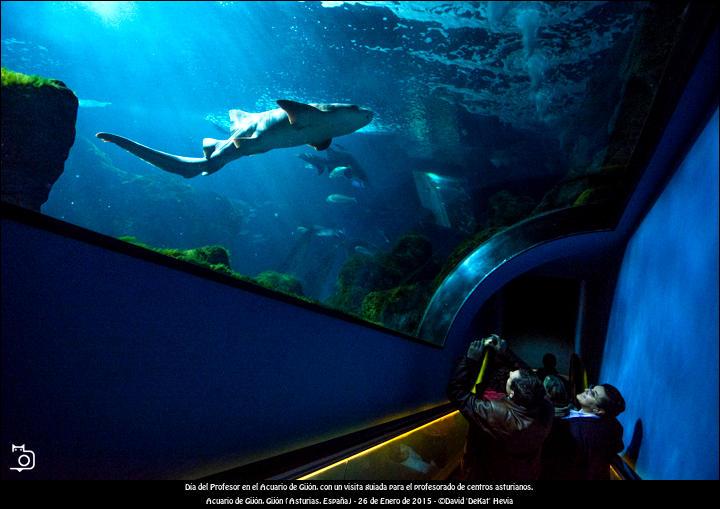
<point x="593" y="435"/>
<point x="514" y="427"/>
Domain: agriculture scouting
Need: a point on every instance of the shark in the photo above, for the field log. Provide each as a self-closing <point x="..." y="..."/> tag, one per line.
<point x="292" y="124"/>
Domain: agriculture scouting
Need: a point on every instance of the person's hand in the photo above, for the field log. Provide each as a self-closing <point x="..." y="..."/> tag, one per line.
<point x="495" y="342"/>
<point x="475" y="350"/>
<point x="477" y="347"/>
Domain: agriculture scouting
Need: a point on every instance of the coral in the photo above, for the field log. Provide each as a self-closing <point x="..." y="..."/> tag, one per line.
<point x="277" y="281"/>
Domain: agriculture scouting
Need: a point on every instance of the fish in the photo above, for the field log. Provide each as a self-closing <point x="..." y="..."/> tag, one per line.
<point x="320" y="231"/>
<point x="92" y="103"/>
<point x="356" y="178"/>
<point x="333" y="160"/>
<point x="340" y="171"/>
<point x="330" y="232"/>
<point x="340" y="198"/>
<point x="363" y="250"/>
<point x="292" y="124"/>
<point x="321" y="164"/>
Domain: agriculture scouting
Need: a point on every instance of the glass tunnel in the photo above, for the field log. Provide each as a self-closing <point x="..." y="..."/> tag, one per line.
<point x="384" y="182"/>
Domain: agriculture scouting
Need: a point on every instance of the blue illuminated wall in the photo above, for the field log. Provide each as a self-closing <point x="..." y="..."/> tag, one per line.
<point x="662" y="341"/>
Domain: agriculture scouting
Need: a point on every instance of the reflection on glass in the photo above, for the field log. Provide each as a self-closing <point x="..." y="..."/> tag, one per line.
<point x="431" y="451"/>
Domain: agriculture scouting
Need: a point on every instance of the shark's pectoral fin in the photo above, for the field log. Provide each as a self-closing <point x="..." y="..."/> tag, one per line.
<point x="237" y="141"/>
<point x="297" y="111"/>
<point x="242" y="136"/>
<point x="209" y="145"/>
<point x="322" y="145"/>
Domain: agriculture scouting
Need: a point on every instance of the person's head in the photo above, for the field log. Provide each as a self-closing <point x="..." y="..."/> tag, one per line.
<point x="524" y="388"/>
<point x="549" y="361"/>
<point x="555" y="390"/>
<point x="603" y="399"/>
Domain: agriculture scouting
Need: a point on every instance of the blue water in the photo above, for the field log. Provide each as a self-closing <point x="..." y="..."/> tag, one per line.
<point x="493" y="96"/>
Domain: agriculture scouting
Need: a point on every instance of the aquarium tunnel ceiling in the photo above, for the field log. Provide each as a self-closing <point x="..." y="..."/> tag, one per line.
<point x="348" y="154"/>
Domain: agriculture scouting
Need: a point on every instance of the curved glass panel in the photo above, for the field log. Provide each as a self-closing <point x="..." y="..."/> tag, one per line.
<point x="484" y="114"/>
<point x="471" y="272"/>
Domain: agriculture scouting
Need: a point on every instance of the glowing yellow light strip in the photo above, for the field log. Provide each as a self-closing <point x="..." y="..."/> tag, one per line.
<point x="382" y="444"/>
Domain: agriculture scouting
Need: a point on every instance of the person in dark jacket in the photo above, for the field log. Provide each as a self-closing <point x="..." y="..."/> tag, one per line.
<point x="513" y="428"/>
<point x="594" y="434"/>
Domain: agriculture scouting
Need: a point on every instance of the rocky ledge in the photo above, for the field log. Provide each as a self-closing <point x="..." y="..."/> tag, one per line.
<point x="38" y="130"/>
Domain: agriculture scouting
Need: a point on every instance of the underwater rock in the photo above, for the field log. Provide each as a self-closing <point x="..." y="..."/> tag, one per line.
<point x="505" y="208"/>
<point x="213" y="257"/>
<point x="38" y="130"/>
<point x="606" y="187"/>
<point x="410" y="261"/>
<point x="217" y="258"/>
<point x="399" y="308"/>
<point x="277" y="281"/>
<point x="355" y="281"/>
<point x="599" y="171"/>
<point x="642" y="71"/>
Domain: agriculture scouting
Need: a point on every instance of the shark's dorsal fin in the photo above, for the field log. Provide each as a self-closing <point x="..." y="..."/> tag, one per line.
<point x="322" y="145"/>
<point x="296" y="110"/>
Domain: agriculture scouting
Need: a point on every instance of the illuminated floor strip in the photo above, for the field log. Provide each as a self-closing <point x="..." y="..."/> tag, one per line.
<point x="376" y="447"/>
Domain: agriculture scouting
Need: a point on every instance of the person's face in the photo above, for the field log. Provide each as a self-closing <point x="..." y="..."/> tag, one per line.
<point x="591" y="396"/>
<point x="513" y="376"/>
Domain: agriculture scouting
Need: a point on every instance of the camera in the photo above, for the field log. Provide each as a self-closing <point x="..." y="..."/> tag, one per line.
<point x="25" y="459"/>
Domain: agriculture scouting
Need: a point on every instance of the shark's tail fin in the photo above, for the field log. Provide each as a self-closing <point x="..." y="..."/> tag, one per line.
<point x="188" y="167"/>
